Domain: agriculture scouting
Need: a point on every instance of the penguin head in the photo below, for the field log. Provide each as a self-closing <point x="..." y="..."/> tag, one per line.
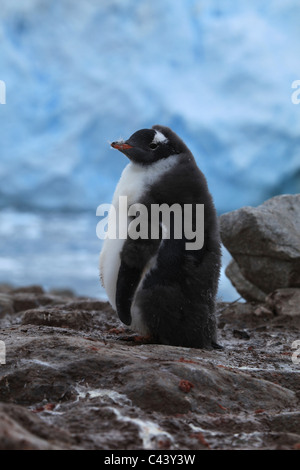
<point x="147" y="146"/>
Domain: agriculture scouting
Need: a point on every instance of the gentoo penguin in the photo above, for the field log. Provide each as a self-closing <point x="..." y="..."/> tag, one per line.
<point x="159" y="287"/>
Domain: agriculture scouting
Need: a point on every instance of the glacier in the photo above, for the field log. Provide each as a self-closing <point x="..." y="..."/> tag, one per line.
<point x="81" y="74"/>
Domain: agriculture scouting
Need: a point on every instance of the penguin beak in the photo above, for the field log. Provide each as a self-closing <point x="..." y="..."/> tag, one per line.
<point x="121" y="146"/>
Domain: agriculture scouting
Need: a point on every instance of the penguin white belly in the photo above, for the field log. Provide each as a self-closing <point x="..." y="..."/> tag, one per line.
<point x="109" y="267"/>
<point x="133" y="183"/>
<point x="110" y="256"/>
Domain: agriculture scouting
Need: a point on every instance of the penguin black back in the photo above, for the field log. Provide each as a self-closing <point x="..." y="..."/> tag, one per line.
<point x="163" y="289"/>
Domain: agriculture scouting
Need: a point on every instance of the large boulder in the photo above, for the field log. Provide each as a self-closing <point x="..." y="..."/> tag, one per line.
<point x="245" y="288"/>
<point x="264" y="242"/>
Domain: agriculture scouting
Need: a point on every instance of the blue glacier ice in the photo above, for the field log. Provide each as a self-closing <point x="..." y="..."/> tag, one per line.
<point x="81" y="74"/>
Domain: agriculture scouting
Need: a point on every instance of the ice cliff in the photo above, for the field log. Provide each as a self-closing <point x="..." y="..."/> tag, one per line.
<point x="79" y="74"/>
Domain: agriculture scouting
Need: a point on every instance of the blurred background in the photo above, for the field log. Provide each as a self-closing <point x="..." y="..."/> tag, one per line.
<point x="81" y="74"/>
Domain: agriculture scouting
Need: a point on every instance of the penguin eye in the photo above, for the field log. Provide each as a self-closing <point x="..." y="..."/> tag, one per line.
<point x="153" y="146"/>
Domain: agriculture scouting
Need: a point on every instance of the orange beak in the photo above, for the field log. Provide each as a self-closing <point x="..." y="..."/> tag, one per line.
<point x="120" y="146"/>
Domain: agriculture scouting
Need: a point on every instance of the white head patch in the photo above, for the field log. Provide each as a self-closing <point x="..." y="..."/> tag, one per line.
<point x="159" y="137"/>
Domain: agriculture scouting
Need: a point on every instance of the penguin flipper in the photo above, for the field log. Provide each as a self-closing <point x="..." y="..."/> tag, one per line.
<point x="128" y="279"/>
<point x="134" y="258"/>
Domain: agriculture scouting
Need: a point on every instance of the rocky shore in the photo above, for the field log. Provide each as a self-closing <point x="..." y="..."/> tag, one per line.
<point x="74" y="378"/>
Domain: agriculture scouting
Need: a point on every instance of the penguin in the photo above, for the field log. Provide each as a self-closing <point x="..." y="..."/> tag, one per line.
<point x="158" y="287"/>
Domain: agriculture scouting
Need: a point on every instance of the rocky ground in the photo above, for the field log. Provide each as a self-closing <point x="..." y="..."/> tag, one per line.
<point x="75" y="379"/>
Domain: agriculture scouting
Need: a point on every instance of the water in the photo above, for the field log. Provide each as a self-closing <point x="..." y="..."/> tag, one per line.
<point x="53" y="250"/>
<point x="58" y="250"/>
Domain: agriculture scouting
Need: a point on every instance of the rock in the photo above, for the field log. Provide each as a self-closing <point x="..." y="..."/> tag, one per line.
<point x="5" y="288"/>
<point x="34" y="289"/>
<point x="241" y="334"/>
<point x="264" y="241"/>
<point x="245" y="288"/>
<point x="72" y="381"/>
<point x="6" y="305"/>
<point x="62" y="292"/>
<point x="24" y="301"/>
<point x="20" y="429"/>
<point x="285" y="301"/>
<point x="78" y="314"/>
<point x="286" y="422"/>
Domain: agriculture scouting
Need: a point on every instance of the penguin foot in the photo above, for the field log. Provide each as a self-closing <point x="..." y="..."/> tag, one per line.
<point x="116" y="331"/>
<point x="137" y="339"/>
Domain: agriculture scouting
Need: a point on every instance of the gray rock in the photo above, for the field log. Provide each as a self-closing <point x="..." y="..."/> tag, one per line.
<point x="24" y="301"/>
<point x="20" y="429"/>
<point x="286" y="422"/>
<point x="6" y="304"/>
<point x="247" y="290"/>
<point x="264" y="241"/>
<point x="5" y="288"/>
<point x="33" y="289"/>
<point x="285" y="301"/>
